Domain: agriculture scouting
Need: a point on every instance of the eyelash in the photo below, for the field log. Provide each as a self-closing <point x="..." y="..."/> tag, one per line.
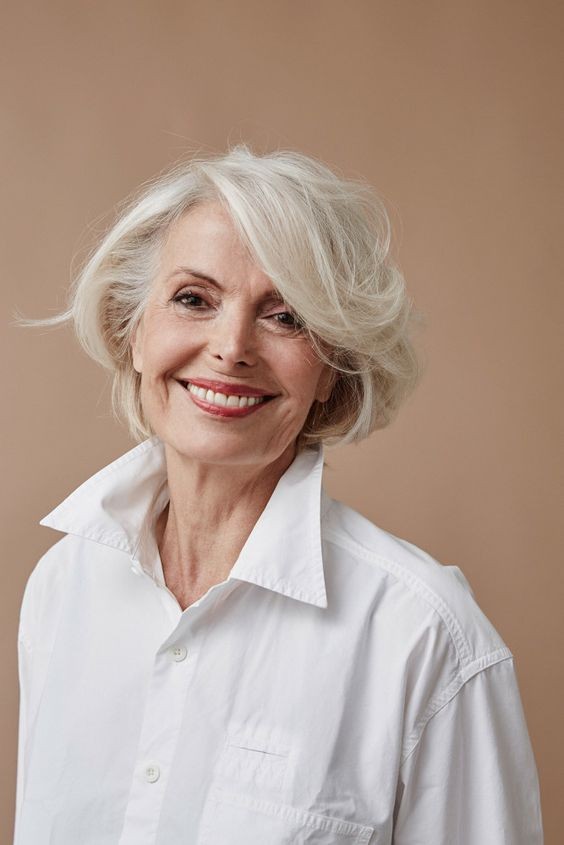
<point x="295" y="326"/>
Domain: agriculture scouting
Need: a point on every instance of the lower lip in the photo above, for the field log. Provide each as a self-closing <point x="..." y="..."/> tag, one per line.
<point x="222" y="411"/>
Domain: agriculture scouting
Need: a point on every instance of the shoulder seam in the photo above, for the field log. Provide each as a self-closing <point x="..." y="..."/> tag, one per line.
<point x="414" y="583"/>
<point x="446" y="695"/>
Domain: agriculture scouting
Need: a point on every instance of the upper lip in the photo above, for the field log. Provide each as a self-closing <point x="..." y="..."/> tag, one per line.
<point x="228" y="389"/>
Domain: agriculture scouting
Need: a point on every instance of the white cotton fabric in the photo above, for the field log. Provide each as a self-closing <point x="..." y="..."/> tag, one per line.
<point x="341" y="686"/>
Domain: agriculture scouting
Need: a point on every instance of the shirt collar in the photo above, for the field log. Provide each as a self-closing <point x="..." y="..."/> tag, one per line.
<point x="117" y="507"/>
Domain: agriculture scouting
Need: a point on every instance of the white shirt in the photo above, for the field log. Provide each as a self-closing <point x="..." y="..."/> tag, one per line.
<point x="341" y="686"/>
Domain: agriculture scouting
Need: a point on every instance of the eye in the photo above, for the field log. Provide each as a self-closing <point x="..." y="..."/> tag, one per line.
<point x="189" y="299"/>
<point x="288" y="320"/>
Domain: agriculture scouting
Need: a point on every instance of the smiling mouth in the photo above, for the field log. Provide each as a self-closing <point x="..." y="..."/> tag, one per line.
<point x="219" y="400"/>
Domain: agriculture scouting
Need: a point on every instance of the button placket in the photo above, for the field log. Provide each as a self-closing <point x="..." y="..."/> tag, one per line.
<point x="173" y="671"/>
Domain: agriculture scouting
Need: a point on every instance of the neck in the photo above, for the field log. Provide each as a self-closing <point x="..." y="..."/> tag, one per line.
<point x="212" y="510"/>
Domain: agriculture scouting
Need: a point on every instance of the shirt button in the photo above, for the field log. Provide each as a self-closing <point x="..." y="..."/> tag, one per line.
<point x="152" y="773"/>
<point x="178" y="653"/>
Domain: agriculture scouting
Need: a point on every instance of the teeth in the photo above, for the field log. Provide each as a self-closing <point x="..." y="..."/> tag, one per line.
<point x="224" y="400"/>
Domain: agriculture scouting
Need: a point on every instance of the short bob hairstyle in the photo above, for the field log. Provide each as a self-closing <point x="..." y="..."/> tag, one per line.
<point x="323" y="241"/>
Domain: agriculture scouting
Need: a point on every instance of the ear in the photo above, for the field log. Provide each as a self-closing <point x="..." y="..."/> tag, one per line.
<point x="137" y="346"/>
<point x="326" y="383"/>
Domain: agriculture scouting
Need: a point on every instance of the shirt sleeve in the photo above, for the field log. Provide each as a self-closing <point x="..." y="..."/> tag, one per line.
<point x="24" y="674"/>
<point x="472" y="778"/>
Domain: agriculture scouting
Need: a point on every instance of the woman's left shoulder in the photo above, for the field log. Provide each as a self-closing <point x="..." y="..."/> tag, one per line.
<point x="418" y="588"/>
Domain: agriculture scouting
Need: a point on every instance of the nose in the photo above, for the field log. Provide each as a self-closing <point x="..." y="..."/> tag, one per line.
<point x="232" y="339"/>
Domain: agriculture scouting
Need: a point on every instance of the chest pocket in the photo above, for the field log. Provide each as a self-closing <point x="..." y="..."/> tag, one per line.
<point x="252" y="766"/>
<point x="241" y="805"/>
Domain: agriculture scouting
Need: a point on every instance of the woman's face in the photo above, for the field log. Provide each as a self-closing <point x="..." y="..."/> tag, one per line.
<point x="214" y="324"/>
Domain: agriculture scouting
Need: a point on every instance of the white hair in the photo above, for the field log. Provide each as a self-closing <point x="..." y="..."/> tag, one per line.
<point x="323" y="240"/>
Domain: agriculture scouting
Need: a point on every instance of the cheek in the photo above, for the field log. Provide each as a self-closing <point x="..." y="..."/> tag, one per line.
<point x="300" y="370"/>
<point x="167" y="350"/>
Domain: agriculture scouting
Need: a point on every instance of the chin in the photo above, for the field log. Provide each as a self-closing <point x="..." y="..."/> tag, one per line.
<point x="218" y="450"/>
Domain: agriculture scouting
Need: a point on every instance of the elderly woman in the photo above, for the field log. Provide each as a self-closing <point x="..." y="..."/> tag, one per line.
<point x="216" y="652"/>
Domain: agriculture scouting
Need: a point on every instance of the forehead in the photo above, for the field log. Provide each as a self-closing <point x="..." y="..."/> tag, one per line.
<point x="205" y="238"/>
<point x="203" y="247"/>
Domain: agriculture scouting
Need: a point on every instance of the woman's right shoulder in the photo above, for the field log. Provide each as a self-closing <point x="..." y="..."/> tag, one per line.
<point x="52" y="564"/>
<point x="45" y="587"/>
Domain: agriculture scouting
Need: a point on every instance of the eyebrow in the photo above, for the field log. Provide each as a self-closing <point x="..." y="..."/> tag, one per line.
<point x="271" y="295"/>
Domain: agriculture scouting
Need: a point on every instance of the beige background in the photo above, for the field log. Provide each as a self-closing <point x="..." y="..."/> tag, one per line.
<point x="453" y="110"/>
